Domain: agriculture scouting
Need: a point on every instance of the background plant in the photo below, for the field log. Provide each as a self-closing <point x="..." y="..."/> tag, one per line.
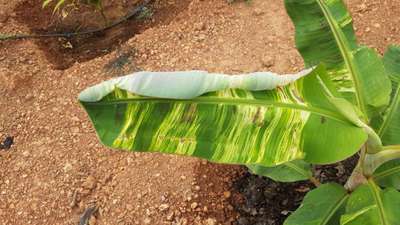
<point x="59" y="4"/>
<point x="348" y="103"/>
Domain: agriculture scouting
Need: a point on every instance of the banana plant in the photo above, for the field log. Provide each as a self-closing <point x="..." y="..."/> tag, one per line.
<point x="346" y="102"/>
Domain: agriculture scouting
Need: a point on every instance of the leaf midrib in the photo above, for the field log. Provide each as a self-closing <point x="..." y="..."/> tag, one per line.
<point x="378" y="200"/>
<point x="229" y="101"/>
<point x="345" y="53"/>
<point x="334" y="209"/>
<point x="298" y="169"/>
<point x="387" y="173"/>
<point x="391" y="112"/>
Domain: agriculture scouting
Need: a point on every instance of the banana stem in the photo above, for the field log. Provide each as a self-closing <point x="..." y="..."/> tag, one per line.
<point x="373" y="161"/>
<point x="374" y="141"/>
<point x="356" y="179"/>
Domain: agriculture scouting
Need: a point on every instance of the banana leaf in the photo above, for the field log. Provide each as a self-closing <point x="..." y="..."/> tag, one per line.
<point x="237" y="120"/>
<point x="325" y="34"/>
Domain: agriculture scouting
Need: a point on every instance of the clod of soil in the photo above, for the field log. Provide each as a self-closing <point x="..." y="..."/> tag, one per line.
<point x="6" y="144"/>
<point x="262" y="201"/>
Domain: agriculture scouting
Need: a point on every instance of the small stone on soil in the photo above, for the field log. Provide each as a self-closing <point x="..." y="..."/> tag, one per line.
<point x="210" y="221"/>
<point x="227" y="194"/>
<point x="7" y="143"/>
<point x="92" y="220"/>
<point x="147" y="221"/>
<point x="163" y="207"/>
<point x="267" y="61"/>
<point x="194" y="205"/>
<point x="3" y="17"/>
<point x="170" y="216"/>
<point x="258" y="12"/>
<point x="90" y="183"/>
<point x="199" y="26"/>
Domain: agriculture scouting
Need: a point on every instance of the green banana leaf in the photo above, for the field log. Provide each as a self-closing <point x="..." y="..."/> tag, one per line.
<point x="324" y="33"/>
<point x="370" y="205"/>
<point x="293" y="171"/>
<point x="321" y="206"/>
<point x="388" y="175"/>
<point x="238" y="126"/>
<point x="389" y="128"/>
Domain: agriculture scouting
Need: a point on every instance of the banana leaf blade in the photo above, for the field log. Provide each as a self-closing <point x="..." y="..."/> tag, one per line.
<point x="265" y="127"/>
<point x="321" y="206"/>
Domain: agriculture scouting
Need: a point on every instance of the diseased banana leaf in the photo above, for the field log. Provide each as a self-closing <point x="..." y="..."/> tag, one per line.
<point x="264" y="127"/>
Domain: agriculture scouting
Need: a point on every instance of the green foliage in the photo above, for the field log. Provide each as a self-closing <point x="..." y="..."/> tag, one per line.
<point x="388" y="175"/>
<point x="320" y="206"/>
<point x="389" y="129"/>
<point x="370" y="205"/>
<point x="357" y="72"/>
<point x="96" y="4"/>
<point x="287" y="172"/>
<point x="277" y="125"/>
<point x="57" y="5"/>
<point x="60" y="3"/>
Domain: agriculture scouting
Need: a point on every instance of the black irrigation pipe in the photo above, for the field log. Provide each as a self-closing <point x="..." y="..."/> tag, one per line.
<point x="129" y="15"/>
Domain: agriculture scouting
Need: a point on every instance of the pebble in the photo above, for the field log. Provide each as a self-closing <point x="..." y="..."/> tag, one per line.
<point x="197" y="188"/>
<point x="29" y="97"/>
<point x="258" y="12"/>
<point x="227" y="194"/>
<point x="182" y="221"/>
<point x="285" y="212"/>
<point x="199" y="26"/>
<point x="129" y="207"/>
<point x="363" y="7"/>
<point x="267" y="61"/>
<point x="201" y="37"/>
<point x="163" y="207"/>
<point x="75" y="130"/>
<point x="194" y="205"/>
<point x="92" y="220"/>
<point x="210" y="221"/>
<point x="170" y="216"/>
<point x="147" y="221"/>
<point x="90" y="183"/>
<point x="3" y="17"/>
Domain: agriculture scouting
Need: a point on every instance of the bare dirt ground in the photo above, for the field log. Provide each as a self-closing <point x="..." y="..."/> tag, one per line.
<point x="57" y="169"/>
